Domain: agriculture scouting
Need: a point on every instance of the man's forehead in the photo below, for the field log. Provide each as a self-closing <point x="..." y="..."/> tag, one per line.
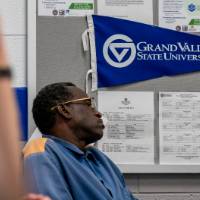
<point x="77" y="92"/>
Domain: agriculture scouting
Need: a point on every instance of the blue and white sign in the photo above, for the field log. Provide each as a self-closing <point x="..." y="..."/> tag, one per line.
<point x="125" y="52"/>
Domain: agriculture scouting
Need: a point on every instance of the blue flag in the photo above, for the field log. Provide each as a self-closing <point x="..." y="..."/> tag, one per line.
<point x="124" y="51"/>
<point x="21" y="96"/>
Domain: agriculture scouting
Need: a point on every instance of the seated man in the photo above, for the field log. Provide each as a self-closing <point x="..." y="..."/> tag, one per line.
<point x="60" y="164"/>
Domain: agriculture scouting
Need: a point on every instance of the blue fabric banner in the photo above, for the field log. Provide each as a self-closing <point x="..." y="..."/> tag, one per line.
<point x="21" y="96"/>
<point x="128" y="52"/>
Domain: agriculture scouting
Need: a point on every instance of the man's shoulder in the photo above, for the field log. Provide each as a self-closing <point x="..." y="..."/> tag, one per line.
<point x="35" y="146"/>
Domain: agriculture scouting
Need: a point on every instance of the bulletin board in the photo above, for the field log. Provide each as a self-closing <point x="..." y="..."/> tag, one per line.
<point x="55" y="54"/>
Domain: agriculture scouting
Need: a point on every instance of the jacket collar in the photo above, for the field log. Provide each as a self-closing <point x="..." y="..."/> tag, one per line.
<point x="87" y="152"/>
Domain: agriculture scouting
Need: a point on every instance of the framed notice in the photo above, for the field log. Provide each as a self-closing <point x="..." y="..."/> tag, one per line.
<point x="129" y="132"/>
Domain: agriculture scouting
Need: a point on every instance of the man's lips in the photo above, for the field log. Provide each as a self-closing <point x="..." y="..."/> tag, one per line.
<point x="100" y="123"/>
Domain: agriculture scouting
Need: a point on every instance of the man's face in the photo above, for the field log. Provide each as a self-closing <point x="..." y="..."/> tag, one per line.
<point x="86" y="121"/>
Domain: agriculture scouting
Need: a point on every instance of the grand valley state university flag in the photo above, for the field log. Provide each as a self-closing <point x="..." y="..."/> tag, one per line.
<point x="124" y="51"/>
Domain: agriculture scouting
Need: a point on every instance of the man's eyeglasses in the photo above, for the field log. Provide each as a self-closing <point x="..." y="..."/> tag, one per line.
<point x="86" y="100"/>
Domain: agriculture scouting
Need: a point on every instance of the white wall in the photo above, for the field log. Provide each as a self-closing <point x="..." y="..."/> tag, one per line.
<point x="13" y="13"/>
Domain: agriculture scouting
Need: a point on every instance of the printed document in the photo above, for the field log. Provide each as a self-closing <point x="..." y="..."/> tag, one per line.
<point x="179" y="127"/>
<point x="181" y="15"/>
<point x="136" y="10"/>
<point x="65" y="8"/>
<point x="129" y="133"/>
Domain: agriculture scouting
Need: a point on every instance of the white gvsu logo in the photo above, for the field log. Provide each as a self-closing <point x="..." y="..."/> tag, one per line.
<point x="126" y="45"/>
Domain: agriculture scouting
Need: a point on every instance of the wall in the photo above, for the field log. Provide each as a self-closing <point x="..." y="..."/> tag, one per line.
<point x="145" y="186"/>
<point x="14" y="30"/>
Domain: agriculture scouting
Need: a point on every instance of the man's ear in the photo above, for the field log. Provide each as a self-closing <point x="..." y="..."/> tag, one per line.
<point x="64" y="111"/>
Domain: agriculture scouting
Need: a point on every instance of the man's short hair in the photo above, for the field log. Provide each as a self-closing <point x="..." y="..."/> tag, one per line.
<point x="48" y="97"/>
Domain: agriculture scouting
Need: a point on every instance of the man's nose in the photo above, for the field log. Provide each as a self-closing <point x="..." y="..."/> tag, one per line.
<point x="98" y="114"/>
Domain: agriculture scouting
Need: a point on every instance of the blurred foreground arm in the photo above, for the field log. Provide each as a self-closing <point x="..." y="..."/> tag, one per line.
<point x="36" y="197"/>
<point x="10" y="169"/>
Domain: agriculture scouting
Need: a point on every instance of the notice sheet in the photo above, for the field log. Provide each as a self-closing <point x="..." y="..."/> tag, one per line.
<point x="179" y="127"/>
<point x="181" y="15"/>
<point x="65" y="7"/>
<point x="136" y="10"/>
<point x="129" y="133"/>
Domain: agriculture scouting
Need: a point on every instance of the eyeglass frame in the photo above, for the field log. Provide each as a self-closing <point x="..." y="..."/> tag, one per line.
<point x="75" y="101"/>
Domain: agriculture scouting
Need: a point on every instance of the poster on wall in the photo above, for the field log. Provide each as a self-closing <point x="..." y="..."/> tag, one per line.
<point x="179" y="127"/>
<point x="136" y="10"/>
<point x="129" y="130"/>
<point x="182" y="15"/>
<point x="65" y="7"/>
